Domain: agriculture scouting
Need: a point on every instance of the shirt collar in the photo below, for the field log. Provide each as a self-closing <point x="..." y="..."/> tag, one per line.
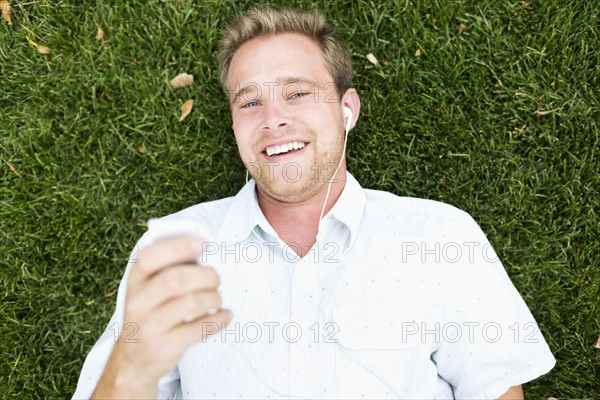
<point x="350" y="207"/>
<point x="244" y="214"/>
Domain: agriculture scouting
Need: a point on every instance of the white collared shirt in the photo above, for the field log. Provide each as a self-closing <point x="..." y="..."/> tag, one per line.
<point x="399" y="298"/>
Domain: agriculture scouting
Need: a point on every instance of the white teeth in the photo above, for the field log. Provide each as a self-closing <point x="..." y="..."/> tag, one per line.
<point x="284" y="148"/>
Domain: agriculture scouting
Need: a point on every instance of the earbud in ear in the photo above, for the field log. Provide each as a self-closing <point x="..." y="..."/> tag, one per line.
<point x="348" y="116"/>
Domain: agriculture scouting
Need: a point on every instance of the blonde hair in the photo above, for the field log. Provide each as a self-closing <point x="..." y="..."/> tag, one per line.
<point x="271" y="21"/>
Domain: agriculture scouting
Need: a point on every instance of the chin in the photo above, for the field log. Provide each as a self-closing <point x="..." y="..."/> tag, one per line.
<point x="289" y="192"/>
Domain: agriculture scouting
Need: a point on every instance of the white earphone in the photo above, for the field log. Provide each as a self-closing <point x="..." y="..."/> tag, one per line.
<point x="348" y="116"/>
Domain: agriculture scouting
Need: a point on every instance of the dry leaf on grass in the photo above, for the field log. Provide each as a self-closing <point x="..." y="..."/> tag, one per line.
<point x="521" y="130"/>
<point x="141" y="149"/>
<point x="541" y="113"/>
<point x="13" y="169"/>
<point x="418" y="52"/>
<point x="43" y="50"/>
<point x="526" y="6"/>
<point x="5" y="5"/>
<point x="186" y="109"/>
<point x="100" y="34"/>
<point x="372" y="59"/>
<point x="182" y="80"/>
<point x="598" y="343"/>
<point x="31" y="42"/>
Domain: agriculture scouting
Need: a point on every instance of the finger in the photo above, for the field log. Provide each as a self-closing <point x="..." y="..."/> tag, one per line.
<point x="162" y="254"/>
<point x="185" y="309"/>
<point x="168" y="284"/>
<point x="200" y="329"/>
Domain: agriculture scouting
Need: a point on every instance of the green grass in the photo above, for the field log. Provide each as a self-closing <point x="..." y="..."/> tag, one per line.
<point x="456" y="124"/>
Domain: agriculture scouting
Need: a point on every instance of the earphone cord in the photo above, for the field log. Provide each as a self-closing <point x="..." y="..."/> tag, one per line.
<point x="332" y="178"/>
<point x="321" y="313"/>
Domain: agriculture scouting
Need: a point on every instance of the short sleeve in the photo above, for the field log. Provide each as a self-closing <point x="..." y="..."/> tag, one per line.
<point x="489" y="340"/>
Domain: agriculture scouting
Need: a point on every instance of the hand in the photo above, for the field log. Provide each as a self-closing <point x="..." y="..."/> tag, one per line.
<point x="170" y="299"/>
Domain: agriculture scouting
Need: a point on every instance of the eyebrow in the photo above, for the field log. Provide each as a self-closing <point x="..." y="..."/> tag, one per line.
<point x="285" y="80"/>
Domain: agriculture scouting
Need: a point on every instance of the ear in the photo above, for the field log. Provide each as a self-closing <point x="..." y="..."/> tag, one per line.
<point x="351" y="100"/>
<point x="348" y="118"/>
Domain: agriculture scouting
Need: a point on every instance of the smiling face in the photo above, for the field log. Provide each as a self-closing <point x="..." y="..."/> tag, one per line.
<point x="287" y="117"/>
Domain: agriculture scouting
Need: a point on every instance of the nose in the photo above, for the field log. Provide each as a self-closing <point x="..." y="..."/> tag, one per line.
<point x="274" y="117"/>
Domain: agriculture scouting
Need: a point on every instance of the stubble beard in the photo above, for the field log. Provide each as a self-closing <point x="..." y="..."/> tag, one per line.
<point x="314" y="179"/>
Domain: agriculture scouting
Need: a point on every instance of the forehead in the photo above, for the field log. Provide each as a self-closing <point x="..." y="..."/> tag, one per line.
<point x="267" y="59"/>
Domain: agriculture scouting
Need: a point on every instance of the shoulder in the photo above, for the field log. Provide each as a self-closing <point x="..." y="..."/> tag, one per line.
<point x="415" y="211"/>
<point x="207" y="210"/>
<point x="207" y="217"/>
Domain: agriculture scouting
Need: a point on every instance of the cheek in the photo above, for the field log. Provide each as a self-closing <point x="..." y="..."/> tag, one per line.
<point x="236" y="125"/>
<point x="243" y="139"/>
<point x="242" y="143"/>
<point x="242" y="125"/>
<point x="239" y="126"/>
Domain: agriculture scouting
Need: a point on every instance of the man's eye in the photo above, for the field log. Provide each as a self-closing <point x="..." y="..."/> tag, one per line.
<point x="298" y="95"/>
<point x="250" y="104"/>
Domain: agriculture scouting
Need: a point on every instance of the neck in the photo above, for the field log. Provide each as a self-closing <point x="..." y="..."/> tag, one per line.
<point x="297" y="223"/>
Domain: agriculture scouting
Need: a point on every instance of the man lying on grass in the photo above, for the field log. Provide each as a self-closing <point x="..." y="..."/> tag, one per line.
<point x="306" y="285"/>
